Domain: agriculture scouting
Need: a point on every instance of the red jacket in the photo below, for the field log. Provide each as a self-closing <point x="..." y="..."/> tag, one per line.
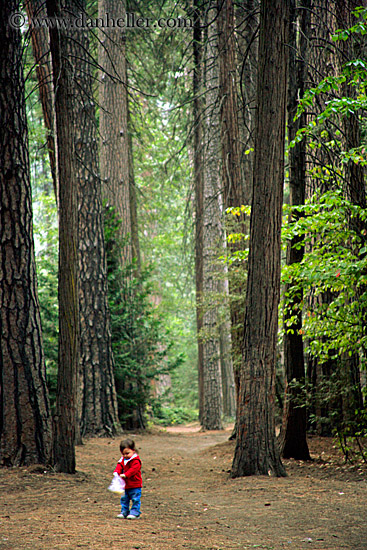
<point x="132" y="470"/>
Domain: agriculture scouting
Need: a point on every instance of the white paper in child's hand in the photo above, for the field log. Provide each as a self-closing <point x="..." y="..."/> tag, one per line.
<point x="117" y="484"/>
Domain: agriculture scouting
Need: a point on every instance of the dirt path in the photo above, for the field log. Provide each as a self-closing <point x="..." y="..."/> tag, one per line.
<point x="189" y="501"/>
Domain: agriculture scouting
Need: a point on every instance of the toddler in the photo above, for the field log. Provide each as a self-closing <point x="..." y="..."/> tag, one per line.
<point x="129" y="468"/>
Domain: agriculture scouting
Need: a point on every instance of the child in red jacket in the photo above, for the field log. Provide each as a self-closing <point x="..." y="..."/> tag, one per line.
<point x="129" y="468"/>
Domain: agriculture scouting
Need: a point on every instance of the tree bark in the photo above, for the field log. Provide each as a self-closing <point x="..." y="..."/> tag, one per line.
<point x="97" y="401"/>
<point x="66" y="405"/>
<point x="135" y="244"/>
<point x="41" y="51"/>
<point x="225" y="346"/>
<point x="322" y="62"/>
<point x="256" y="447"/>
<point x="247" y="25"/>
<point x="25" y="421"/>
<point x="198" y="178"/>
<point x="113" y="128"/>
<point x="355" y="192"/>
<point x="292" y="440"/>
<point x="212" y="383"/>
<point x="231" y="172"/>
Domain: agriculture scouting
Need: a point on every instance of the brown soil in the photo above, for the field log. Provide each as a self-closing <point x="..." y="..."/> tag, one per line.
<point x="189" y="501"/>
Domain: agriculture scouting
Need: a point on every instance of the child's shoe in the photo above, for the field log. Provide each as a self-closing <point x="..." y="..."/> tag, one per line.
<point x="131" y="516"/>
<point x="121" y="516"/>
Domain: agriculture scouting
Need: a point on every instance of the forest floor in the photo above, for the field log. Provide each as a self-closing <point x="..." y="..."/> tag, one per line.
<point x="188" y="502"/>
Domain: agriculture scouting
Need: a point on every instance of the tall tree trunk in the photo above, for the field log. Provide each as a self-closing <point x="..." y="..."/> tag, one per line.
<point x="61" y="42"/>
<point x="355" y="191"/>
<point x="113" y="128"/>
<point x="25" y="420"/>
<point x="198" y="177"/>
<point x="293" y="441"/>
<point x="247" y="25"/>
<point x="225" y="347"/>
<point x="212" y="383"/>
<point x="232" y="172"/>
<point x="97" y="401"/>
<point x="41" y="51"/>
<point x="256" y="447"/>
<point x="133" y="201"/>
<point x="322" y="62"/>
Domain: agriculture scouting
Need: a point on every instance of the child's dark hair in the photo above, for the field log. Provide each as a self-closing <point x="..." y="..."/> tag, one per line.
<point x="127" y="444"/>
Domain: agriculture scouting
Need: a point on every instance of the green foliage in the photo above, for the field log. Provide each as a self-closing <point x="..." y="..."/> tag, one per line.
<point x="337" y="104"/>
<point x="331" y="391"/>
<point x="332" y="230"/>
<point x="47" y="274"/>
<point x="336" y="264"/>
<point x="140" y="343"/>
<point x="46" y="236"/>
<point x="171" y="415"/>
<point x="330" y="227"/>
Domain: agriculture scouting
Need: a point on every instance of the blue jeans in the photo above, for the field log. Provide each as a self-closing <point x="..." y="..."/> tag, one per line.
<point x="134" y="495"/>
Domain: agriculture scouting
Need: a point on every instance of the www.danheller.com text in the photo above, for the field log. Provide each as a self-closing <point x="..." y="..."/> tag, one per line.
<point x="81" y="21"/>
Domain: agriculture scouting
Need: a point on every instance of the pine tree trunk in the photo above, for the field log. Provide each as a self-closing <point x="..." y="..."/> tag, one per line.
<point x="225" y="347"/>
<point x="97" y="401"/>
<point x="355" y="192"/>
<point x="322" y="63"/>
<point x="133" y="202"/>
<point x="66" y="405"/>
<point x="25" y="425"/>
<point x="256" y="447"/>
<point x="231" y="172"/>
<point x="212" y="383"/>
<point x="293" y="441"/>
<point x="113" y="128"/>
<point x="198" y="177"/>
<point x="41" y="51"/>
<point x="247" y="24"/>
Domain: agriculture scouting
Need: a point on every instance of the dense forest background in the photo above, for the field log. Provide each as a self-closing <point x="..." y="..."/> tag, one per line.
<point x="183" y="217"/>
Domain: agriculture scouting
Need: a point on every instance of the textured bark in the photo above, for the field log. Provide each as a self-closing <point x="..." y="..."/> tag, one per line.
<point x="212" y="383"/>
<point x="25" y="420"/>
<point x="66" y="404"/>
<point x="225" y="347"/>
<point x="114" y="142"/>
<point x="256" y="447"/>
<point x="133" y="203"/>
<point x="247" y="24"/>
<point x="322" y="62"/>
<point x="198" y="177"/>
<point x="293" y="441"/>
<point x="355" y="191"/>
<point x="231" y="172"/>
<point x="41" y="52"/>
<point x="97" y="401"/>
